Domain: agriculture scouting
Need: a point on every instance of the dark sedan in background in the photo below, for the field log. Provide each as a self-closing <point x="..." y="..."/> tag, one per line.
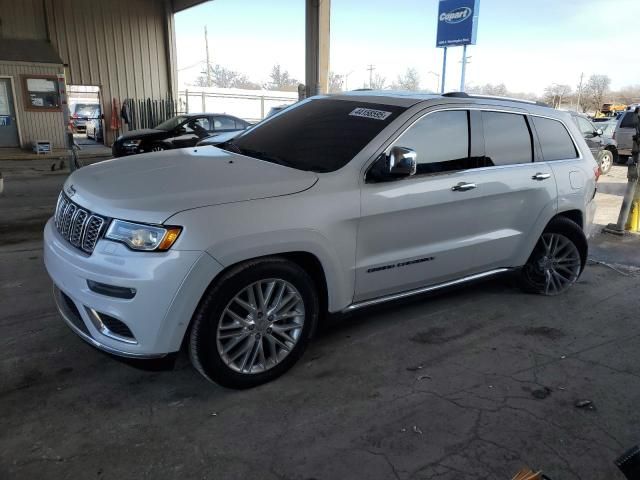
<point x="177" y="132"/>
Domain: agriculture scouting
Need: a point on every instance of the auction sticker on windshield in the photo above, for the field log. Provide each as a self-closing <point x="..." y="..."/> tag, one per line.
<point x="370" y="113"/>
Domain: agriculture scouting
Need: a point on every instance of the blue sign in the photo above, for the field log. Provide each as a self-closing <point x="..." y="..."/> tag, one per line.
<point x="457" y="22"/>
<point x="5" y="121"/>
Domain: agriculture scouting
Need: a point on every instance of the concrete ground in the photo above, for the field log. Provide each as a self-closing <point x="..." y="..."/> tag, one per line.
<point x="470" y="383"/>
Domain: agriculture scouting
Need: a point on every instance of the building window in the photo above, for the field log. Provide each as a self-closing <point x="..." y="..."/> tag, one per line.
<point x="41" y="93"/>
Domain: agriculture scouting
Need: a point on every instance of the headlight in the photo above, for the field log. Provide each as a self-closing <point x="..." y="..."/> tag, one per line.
<point x="131" y="143"/>
<point x="138" y="236"/>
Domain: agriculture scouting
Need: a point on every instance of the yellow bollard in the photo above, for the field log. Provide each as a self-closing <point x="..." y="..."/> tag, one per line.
<point x="633" y="223"/>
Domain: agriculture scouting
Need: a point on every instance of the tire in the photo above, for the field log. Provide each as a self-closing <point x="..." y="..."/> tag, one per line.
<point x="157" y="147"/>
<point x="557" y="260"/>
<point x="223" y="317"/>
<point x="606" y="161"/>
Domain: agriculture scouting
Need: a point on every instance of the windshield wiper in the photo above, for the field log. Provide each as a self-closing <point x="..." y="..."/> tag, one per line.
<point x="232" y="147"/>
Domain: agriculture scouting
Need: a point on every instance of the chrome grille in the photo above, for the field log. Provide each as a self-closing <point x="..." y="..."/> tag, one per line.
<point x="78" y="226"/>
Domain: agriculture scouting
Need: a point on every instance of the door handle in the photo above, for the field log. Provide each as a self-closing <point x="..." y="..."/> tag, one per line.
<point x="463" y="187"/>
<point x="541" y="176"/>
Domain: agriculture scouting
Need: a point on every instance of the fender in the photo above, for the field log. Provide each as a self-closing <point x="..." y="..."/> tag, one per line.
<point x="340" y="278"/>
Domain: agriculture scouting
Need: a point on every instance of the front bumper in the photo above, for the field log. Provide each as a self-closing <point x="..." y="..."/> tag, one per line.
<point x="168" y="287"/>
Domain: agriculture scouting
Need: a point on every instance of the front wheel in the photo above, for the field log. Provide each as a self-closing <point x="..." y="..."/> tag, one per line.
<point x="557" y="259"/>
<point x="157" y="147"/>
<point x="254" y="324"/>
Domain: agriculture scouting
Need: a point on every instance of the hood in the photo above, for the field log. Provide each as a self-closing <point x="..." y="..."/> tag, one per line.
<point x="153" y="186"/>
<point x="143" y="132"/>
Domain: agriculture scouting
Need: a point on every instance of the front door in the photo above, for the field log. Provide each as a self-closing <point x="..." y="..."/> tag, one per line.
<point x="8" y="122"/>
<point x="469" y="209"/>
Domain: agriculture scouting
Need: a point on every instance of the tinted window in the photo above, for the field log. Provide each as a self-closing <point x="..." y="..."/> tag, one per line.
<point x="321" y="135"/>
<point x="627" y="120"/>
<point x="441" y="141"/>
<point x="554" y="139"/>
<point x="507" y="139"/>
<point x="224" y="123"/>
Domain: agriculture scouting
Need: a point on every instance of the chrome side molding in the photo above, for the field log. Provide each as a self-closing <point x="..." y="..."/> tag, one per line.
<point x="417" y="291"/>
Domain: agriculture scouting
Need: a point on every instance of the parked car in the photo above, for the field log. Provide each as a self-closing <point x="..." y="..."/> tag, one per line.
<point x="623" y="134"/>
<point x="177" y="132"/>
<point x="81" y="113"/>
<point x="593" y="136"/>
<point x="337" y="204"/>
<point x="276" y="109"/>
<point x="94" y="129"/>
<point x="610" y="143"/>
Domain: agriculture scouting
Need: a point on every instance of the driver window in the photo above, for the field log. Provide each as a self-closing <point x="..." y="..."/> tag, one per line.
<point x="441" y="141"/>
<point x="197" y="125"/>
<point x="586" y="128"/>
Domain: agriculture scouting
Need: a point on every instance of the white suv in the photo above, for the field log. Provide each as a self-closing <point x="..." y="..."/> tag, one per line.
<point x="338" y="203"/>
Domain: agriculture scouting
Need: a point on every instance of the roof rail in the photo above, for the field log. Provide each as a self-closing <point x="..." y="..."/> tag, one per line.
<point x="495" y="97"/>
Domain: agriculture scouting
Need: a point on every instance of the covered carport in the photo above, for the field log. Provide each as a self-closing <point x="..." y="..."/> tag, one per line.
<point x="122" y="50"/>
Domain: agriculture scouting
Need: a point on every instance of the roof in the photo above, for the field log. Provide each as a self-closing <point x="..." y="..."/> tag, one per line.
<point x="407" y="98"/>
<point x="33" y="51"/>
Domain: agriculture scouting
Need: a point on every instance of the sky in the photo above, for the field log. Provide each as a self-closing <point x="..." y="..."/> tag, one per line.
<point x="527" y="45"/>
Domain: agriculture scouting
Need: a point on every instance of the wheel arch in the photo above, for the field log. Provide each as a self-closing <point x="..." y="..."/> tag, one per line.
<point x="304" y="259"/>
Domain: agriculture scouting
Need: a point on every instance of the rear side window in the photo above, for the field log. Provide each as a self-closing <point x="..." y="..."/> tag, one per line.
<point x="627" y="120"/>
<point x="441" y="141"/>
<point x="555" y="141"/>
<point x="507" y="139"/>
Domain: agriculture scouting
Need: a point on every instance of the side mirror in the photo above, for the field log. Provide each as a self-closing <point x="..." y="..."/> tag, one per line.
<point x="599" y="132"/>
<point x="400" y="162"/>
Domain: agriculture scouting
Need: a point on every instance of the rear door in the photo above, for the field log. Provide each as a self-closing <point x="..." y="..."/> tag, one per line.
<point x="624" y="133"/>
<point x="468" y="209"/>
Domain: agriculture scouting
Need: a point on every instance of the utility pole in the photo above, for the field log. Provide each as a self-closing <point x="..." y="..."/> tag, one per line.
<point x="371" y="68"/>
<point x="579" y="92"/>
<point x="464" y="67"/>
<point x="206" y="46"/>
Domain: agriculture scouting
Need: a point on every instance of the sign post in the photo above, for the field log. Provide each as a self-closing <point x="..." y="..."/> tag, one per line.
<point x="457" y="25"/>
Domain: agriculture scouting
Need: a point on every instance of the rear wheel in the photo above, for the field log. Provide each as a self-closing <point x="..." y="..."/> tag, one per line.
<point x="606" y="161"/>
<point x="557" y="259"/>
<point x="254" y="324"/>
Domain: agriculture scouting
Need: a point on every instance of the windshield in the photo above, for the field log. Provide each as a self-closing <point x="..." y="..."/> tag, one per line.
<point x="172" y="123"/>
<point x="321" y="135"/>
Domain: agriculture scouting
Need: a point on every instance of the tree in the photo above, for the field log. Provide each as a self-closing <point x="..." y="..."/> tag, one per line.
<point x="554" y="94"/>
<point x="225" y="78"/>
<point x="377" y="82"/>
<point x="335" y="82"/>
<point x="499" y="90"/>
<point x="409" y="81"/>
<point x="281" y="80"/>
<point x="628" y="95"/>
<point x="596" y="88"/>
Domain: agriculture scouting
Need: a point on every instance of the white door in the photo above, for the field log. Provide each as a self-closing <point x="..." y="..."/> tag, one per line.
<point x="8" y="122"/>
<point x="468" y="209"/>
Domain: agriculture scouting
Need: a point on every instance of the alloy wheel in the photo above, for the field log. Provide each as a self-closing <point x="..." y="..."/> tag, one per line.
<point x="260" y="326"/>
<point x="556" y="265"/>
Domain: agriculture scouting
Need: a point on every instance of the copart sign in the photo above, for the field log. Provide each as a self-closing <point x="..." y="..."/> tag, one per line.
<point x="457" y="22"/>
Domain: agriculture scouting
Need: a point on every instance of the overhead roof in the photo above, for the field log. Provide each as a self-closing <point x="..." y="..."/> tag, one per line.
<point x="179" y="5"/>
<point x="34" y="51"/>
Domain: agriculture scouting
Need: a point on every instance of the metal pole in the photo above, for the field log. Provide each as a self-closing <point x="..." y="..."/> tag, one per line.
<point x="444" y="69"/>
<point x="464" y="67"/>
<point x="206" y="46"/>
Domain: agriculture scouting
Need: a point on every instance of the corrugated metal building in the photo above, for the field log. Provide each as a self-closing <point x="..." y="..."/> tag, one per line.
<point x="124" y="47"/>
